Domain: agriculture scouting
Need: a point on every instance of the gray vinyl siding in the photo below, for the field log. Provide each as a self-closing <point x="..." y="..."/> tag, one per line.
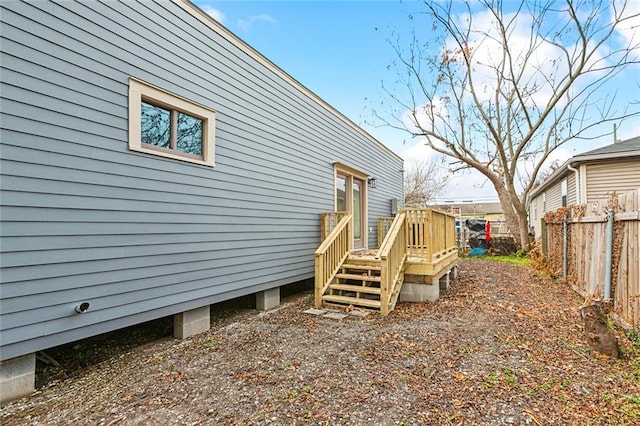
<point x="603" y="178"/>
<point x="141" y="236"/>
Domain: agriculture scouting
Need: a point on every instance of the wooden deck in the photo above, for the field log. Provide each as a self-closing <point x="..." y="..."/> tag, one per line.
<point x="417" y="242"/>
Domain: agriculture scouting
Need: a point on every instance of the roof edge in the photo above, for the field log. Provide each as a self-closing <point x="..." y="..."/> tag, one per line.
<point x="203" y="17"/>
<point x="594" y="157"/>
<point x="576" y="161"/>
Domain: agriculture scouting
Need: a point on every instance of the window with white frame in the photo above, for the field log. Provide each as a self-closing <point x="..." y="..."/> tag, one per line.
<point x="167" y="125"/>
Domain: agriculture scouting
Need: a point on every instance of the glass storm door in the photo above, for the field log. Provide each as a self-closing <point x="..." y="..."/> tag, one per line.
<point x="341" y="193"/>
<point x="357" y="209"/>
<point x="350" y="197"/>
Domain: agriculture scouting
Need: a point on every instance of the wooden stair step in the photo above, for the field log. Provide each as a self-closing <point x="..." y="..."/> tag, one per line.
<point x="359" y="277"/>
<point x="356" y="301"/>
<point x="355" y="288"/>
<point x="361" y="267"/>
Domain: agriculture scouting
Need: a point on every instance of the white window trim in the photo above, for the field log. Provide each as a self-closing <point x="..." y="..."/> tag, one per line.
<point x="140" y="91"/>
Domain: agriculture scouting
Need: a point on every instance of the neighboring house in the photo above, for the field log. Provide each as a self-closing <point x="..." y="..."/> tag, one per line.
<point x="491" y="211"/>
<point x="154" y="164"/>
<point x="474" y="210"/>
<point x="586" y="178"/>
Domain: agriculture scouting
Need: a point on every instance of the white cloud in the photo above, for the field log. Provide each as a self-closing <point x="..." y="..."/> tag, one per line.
<point x="246" y="24"/>
<point x="469" y="186"/>
<point x="214" y="13"/>
<point x="537" y="64"/>
<point x="629" y="129"/>
<point x="415" y="154"/>
<point x="426" y="116"/>
<point x="630" y="29"/>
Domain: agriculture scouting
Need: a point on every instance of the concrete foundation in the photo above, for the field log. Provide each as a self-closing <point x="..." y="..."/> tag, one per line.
<point x="417" y="292"/>
<point x="189" y="323"/>
<point x="268" y="299"/>
<point x="444" y="281"/>
<point x="17" y="377"/>
<point x="426" y="288"/>
<point x="454" y="272"/>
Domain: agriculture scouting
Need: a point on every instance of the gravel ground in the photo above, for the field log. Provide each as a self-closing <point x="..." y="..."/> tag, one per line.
<point x="502" y="346"/>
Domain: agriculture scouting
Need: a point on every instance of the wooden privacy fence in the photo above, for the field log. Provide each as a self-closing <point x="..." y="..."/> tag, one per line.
<point x="575" y="241"/>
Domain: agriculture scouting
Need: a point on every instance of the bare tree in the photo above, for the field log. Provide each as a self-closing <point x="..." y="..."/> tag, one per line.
<point x="499" y="90"/>
<point x="546" y="172"/>
<point x="424" y="181"/>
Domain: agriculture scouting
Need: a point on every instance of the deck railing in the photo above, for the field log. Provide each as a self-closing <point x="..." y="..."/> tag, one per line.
<point x="430" y="233"/>
<point x="333" y="251"/>
<point x="415" y="233"/>
<point x="392" y="255"/>
<point x="384" y="224"/>
<point x="328" y="221"/>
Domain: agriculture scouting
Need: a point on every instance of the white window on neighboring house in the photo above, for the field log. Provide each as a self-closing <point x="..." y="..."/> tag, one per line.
<point x="563" y="191"/>
<point x="167" y="125"/>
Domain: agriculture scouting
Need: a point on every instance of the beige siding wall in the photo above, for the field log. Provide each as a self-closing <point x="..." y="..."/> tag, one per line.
<point x="607" y="176"/>
<point x="554" y="197"/>
<point x="536" y="213"/>
<point x="571" y="189"/>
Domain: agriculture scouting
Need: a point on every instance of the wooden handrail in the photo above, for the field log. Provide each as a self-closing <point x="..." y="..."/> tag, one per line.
<point x="392" y="255"/>
<point x="330" y="255"/>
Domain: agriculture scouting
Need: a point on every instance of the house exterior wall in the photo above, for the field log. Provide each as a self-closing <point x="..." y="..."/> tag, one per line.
<point x="536" y="214"/>
<point x="554" y="197"/>
<point x="140" y="236"/>
<point x="549" y="199"/>
<point x="604" y="177"/>
<point x="571" y="189"/>
<point x="597" y="179"/>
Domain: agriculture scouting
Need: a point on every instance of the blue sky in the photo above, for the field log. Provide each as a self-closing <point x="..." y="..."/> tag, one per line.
<point x="338" y="49"/>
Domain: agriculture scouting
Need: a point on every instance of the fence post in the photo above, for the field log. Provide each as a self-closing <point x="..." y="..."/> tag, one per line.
<point x="543" y="236"/>
<point x="608" y="255"/>
<point x="565" y="247"/>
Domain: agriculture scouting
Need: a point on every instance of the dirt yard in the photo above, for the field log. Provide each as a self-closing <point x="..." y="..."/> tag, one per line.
<point x="502" y="346"/>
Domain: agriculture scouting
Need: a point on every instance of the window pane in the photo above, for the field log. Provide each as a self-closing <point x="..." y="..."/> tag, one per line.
<point x="341" y="194"/>
<point x="357" y="212"/>
<point x="189" y="134"/>
<point x="156" y="125"/>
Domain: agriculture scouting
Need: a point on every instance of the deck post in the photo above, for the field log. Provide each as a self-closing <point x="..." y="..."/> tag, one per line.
<point x="318" y="284"/>
<point x="384" y="287"/>
<point x="428" y="231"/>
<point x="444" y="281"/>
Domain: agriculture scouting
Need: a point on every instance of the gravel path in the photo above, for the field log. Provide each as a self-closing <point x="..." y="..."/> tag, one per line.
<point x="502" y="346"/>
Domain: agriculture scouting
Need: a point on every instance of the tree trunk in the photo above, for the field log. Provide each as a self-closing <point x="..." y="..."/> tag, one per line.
<point x="512" y="218"/>
<point x="523" y="221"/>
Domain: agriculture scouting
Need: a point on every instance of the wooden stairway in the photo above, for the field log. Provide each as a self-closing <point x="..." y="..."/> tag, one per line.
<point x="357" y="283"/>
